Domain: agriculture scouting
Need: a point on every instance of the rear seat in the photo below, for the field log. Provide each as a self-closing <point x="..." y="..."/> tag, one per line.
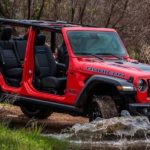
<point x="21" y="48"/>
<point x="9" y="59"/>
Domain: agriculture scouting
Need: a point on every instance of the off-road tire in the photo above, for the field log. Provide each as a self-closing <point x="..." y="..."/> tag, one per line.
<point x="103" y="107"/>
<point x="35" y="111"/>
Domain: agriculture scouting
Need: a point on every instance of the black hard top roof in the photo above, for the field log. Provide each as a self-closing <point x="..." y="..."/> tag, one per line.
<point x="41" y="24"/>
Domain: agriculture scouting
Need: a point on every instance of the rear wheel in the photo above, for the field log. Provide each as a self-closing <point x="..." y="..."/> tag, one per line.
<point x="36" y="111"/>
<point x="102" y="107"/>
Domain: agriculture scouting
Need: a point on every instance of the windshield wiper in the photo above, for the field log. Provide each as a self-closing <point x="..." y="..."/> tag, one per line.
<point x="83" y="53"/>
<point x="90" y="55"/>
<point x="97" y="56"/>
<point x="109" y="54"/>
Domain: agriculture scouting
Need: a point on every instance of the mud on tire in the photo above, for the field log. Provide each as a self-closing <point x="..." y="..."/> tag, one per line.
<point x="103" y="107"/>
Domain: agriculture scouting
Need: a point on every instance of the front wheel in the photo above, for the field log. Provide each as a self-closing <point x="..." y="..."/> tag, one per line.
<point x="35" y="111"/>
<point x="102" y="107"/>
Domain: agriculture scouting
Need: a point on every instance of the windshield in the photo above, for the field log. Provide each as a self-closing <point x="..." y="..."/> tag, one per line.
<point x="96" y="43"/>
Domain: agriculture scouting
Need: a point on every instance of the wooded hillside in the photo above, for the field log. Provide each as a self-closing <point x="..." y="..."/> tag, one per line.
<point x="131" y="18"/>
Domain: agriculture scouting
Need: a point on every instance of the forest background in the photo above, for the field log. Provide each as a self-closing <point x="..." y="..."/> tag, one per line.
<point x="131" y="18"/>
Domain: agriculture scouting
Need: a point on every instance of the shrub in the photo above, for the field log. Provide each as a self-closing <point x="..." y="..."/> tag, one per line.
<point x="145" y="54"/>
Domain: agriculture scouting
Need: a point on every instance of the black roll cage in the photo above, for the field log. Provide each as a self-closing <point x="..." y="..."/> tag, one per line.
<point x="51" y="25"/>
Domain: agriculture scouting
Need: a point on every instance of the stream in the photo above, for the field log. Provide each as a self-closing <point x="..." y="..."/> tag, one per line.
<point x="120" y="133"/>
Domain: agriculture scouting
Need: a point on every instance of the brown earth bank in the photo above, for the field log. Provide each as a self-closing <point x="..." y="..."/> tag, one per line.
<point x="14" y="118"/>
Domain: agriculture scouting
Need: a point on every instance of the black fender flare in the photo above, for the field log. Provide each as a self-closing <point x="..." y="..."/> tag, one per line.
<point x="99" y="79"/>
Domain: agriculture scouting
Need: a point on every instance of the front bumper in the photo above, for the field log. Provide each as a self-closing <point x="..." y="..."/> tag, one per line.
<point x="140" y="109"/>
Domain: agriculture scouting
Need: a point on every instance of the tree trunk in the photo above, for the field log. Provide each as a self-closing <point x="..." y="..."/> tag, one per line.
<point x="29" y="9"/>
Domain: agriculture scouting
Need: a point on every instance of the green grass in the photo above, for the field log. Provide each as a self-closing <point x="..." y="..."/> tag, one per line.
<point x="28" y="140"/>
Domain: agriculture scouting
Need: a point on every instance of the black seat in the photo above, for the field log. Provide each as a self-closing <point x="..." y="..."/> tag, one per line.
<point x="46" y="68"/>
<point x="9" y="59"/>
<point x="63" y="55"/>
<point x="21" y="48"/>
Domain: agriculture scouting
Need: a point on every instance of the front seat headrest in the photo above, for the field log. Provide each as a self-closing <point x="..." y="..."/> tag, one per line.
<point x="40" y="40"/>
<point x="6" y="34"/>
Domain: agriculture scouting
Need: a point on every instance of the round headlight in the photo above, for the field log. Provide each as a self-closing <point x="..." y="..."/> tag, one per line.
<point x="142" y="85"/>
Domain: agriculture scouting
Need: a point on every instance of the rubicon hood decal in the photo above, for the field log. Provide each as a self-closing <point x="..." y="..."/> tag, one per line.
<point x="106" y="72"/>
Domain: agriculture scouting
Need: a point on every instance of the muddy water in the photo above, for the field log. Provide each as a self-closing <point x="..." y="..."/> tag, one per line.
<point x="124" y="133"/>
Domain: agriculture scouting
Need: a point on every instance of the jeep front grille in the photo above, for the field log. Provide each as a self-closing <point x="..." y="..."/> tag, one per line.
<point x="148" y="94"/>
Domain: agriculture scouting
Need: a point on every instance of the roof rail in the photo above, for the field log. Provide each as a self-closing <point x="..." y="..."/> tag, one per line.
<point x="55" y="25"/>
<point x="71" y="23"/>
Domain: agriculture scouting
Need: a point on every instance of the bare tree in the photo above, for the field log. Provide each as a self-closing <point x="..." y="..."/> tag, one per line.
<point x="29" y="9"/>
<point x="111" y="13"/>
<point x="73" y="9"/>
<point x="82" y="9"/>
<point x="129" y="17"/>
<point x="37" y="9"/>
<point x="121" y="14"/>
<point x="40" y="10"/>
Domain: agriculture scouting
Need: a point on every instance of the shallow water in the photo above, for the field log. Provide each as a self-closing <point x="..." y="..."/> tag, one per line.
<point x="124" y="133"/>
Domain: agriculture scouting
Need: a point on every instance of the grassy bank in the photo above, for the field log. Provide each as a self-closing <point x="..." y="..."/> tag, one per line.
<point x="25" y="140"/>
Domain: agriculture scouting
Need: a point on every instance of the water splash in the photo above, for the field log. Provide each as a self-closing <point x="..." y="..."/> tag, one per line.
<point x="115" y="132"/>
<point x="110" y="129"/>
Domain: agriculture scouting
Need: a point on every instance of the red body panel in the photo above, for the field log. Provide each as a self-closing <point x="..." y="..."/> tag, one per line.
<point x="76" y="74"/>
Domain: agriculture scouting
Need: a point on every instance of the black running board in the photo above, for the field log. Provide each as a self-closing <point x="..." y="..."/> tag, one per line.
<point x="55" y="106"/>
<point x="139" y="105"/>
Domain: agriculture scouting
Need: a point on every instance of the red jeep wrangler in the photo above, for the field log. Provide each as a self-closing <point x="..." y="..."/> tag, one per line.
<point x="92" y="75"/>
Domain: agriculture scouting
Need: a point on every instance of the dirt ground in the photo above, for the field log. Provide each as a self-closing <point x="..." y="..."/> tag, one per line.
<point x="55" y="123"/>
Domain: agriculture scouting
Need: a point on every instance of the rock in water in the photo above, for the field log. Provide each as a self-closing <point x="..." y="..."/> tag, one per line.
<point x="125" y="113"/>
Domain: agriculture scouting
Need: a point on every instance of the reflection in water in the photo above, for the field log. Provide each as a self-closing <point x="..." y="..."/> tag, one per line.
<point x="120" y="145"/>
<point x="124" y="133"/>
<point x="106" y="147"/>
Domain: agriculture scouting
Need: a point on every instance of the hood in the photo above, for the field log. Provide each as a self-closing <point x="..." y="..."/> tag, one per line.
<point x="118" y="68"/>
<point x="132" y="65"/>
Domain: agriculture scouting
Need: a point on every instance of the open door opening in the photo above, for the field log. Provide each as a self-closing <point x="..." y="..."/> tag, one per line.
<point x="50" y="75"/>
<point x="13" y="42"/>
